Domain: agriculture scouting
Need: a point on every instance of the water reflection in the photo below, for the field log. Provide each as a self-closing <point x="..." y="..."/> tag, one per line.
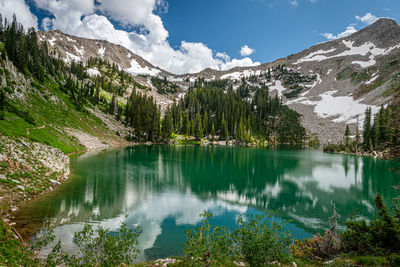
<point x="164" y="189"/>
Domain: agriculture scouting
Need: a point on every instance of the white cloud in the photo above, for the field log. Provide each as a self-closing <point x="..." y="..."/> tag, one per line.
<point x="21" y="10"/>
<point x="243" y="62"/>
<point x="246" y="51"/>
<point x="137" y="12"/>
<point x="82" y="18"/>
<point x="368" y="18"/>
<point x="222" y="55"/>
<point x="294" y="3"/>
<point x="349" y="30"/>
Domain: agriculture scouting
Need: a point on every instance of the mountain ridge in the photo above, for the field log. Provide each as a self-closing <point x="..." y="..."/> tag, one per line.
<point x="350" y="74"/>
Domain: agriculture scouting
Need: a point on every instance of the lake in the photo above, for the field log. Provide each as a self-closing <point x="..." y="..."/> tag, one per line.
<point x="165" y="188"/>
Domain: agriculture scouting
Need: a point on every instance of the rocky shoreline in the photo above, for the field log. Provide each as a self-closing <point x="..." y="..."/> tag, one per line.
<point x="29" y="169"/>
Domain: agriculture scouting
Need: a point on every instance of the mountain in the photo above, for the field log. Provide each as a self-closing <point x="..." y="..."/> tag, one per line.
<point x="330" y="84"/>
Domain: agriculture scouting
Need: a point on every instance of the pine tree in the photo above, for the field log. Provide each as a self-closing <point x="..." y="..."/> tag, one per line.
<point x="367" y="127"/>
<point x="167" y="127"/>
<point x="212" y="131"/>
<point x="199" y="126"/>
<point x="224" y="129"/>
<point x="205" y="123"/>
<point x="347" y="135"/>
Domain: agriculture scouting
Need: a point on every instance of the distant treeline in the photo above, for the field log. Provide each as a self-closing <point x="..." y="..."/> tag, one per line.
<point x="208" y="109"/>
<point x="380" y="133"/>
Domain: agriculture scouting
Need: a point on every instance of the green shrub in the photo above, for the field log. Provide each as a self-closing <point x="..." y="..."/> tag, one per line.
<point x="209" y="246"/>
<point x="380" y="236"/>
<point x="263" y="240"/>
<point x="99" y="248"/>
<point x="257" y="240"/>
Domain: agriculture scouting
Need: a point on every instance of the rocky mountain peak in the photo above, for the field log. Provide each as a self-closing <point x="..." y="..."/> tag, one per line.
<point x="383" y="33"/>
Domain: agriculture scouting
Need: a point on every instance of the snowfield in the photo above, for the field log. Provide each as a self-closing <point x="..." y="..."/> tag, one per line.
<point x="362" y="50"/>
<point x="316" y="56"/>
<point x="339" y="108"/>
<point x="80" y="51"/>
<point x="71" y="57"/>
<point x="136" y="69"/>
<point x="51" y="41"/>
<point x="374" y="77"/>
<point x="240" y="74"/>
<point x="278" y="87"/>
<point x="344" y="108"/>
<point x="93" y="72"/>
<point x="101" y="51"/>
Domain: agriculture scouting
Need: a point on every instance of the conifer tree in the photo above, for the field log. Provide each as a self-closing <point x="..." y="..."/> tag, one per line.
<point x="347" y="135"/>
<point x="224" y="135"/>
<point x="199" y="127"/>
<point x="212" y="131"/>
<point x="367" y="127"/>
<point x="167" y="126"/>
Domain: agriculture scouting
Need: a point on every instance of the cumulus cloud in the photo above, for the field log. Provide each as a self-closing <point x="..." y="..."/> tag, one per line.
<point x="349" y="30"/>
<point x="21" y="10"/>
<point x="243" y="62"/>
<point x="222" y="55"/>
<point x="246" y="51"/>
<point x="144" y="33"/>
<point x="368" y="18"/>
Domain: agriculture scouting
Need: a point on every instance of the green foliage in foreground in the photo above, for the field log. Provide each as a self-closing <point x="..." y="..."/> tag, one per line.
<point x="378" y="237"/>
<point x="257" y="240"/>
<point x="97" y="248"/>
<point x="376" y="242"/>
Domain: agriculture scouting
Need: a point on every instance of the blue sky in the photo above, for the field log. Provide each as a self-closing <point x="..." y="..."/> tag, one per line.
<point x="273" y="28"/>
<point x="190" y="35"/>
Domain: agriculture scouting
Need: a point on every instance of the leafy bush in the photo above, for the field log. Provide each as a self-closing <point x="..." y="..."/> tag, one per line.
<point x="262" y="239"/>
<point x="320" y="247"/>
<point x="380" y="236"/>
<point x="14" y="253"/>
<point x="99" y="248"/>
<point x="257" y="240"/>
<point x="209" y="246"/>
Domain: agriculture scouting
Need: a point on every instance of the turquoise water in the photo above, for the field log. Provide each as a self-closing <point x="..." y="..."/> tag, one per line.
<point x="165" y="188"/>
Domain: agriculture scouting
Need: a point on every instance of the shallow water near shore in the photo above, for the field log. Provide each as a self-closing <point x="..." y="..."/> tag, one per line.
<point x="165" y="188"/>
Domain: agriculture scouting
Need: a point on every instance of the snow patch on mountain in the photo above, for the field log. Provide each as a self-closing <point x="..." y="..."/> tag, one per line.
<point x="374" y="77"/>
<point x="362" y="50"/>
<point x="71" y="40"/>
<point x="93" y="72"/>
<point x="136" y="69"/>
<point x="80" y="51"/>
<point x="52" y="41"/>
<point x="71" y="57"/>
<point x="278" y="87"/>
<point x="101" y="51"/>
<point x="345" y="108"/>
<point x="240" y="74"/>
<point x="175" y="79"/>
<point x="339" y="108"/>
<point x="316" y="56"/>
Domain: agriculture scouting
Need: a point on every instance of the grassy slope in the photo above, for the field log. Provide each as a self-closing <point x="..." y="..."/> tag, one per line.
<point x="55" y="115"/>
